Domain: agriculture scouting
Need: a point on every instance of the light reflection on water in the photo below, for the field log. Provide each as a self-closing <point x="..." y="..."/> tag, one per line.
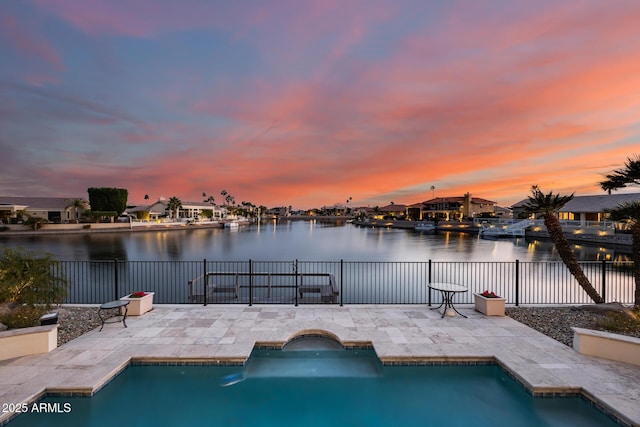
<point x="303" y="240"/>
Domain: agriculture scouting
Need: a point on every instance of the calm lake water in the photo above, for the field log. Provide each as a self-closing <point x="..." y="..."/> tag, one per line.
<point x="302" y="240"/>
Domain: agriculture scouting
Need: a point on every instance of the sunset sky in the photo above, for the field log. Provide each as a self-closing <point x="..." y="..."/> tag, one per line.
<point x="308" y="103"/>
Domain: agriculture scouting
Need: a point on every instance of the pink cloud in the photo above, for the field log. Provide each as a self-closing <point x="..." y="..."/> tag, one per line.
<point x="27" y="42"/>
<point x="480" y="100"/>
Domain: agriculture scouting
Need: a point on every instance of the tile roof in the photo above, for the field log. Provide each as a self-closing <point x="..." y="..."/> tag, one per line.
<point x="458" y="199"/>
<point x="393" y="208"/>
<point x="43" y="203"/>
<point x="593" y="203"/>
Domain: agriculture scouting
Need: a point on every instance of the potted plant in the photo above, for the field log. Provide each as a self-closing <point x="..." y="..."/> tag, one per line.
<point x="489" y="304"/>
<point x="139" y="303"/>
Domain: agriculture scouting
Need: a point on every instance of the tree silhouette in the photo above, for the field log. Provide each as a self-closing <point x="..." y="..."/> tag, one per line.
<point x="630" y="212"/>
<point x="174" y="205"/>
<point x="620" y="178"/>
<point x="547" y="205"/>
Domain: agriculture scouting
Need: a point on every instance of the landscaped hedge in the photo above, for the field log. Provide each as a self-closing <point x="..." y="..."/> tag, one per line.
<point x="105" y="199"/>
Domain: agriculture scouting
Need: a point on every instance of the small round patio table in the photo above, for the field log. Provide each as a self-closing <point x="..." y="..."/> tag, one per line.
<point x="116" y="319"/>
<point x="448" y="290"/>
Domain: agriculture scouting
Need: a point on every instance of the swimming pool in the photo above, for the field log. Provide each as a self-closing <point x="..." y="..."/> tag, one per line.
<point x="316" y="388"/>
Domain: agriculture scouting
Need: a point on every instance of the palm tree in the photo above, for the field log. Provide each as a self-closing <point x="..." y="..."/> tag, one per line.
<point x="547" y="205"/>
<point x="35" y="222"/>
<point x="209" y="199"/>
<point x="620" y="178"/>
<point x="174" y="205"/>
<point x="631" y="211"/>
<point x="77" y="204"/>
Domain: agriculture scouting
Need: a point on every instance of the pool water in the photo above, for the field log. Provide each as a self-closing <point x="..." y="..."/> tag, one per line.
<point x="316" y="388"/>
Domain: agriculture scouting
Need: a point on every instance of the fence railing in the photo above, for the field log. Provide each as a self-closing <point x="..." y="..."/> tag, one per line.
<point x="339" y="282"/>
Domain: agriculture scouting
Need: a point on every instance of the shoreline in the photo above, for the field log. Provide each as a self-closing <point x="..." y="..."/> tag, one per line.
<point x="619" y="242"/>
<point x="114" y="228"/>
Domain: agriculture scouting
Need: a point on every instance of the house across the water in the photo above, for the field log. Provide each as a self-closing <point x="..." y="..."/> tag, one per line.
<point x="14" y="209"/>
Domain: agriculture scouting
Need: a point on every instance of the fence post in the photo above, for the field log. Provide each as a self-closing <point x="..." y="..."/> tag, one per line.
<point x="517" y="282"/>
<point x="428" y="283"/>
<point x="604" y="280"/>
<point x="341" y="282"/>
<point x="295" y="271"/>
<point x="205" y="281"/>
<point x="115" y="279"/>
<point x="250" y="283"/>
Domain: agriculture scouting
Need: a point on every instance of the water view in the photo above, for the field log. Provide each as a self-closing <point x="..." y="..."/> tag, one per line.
<point x="303" y="240"/>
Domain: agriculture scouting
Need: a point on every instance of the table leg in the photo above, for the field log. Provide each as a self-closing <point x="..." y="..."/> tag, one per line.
<point x="450" y="303"/>
<point x="126" y="309"/>
<point x="443" y="300"/>
<point x="447" y="302"/>
<point x="101" y="319"/>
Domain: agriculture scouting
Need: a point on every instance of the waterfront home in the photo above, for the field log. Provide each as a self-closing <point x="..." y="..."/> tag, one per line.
<point x="189" y="211"/>
<point x="395" y="211"/>
<point x="450" y="208"/>
<point x="585" y="209"/>
<point x="278" y="212"/>
<point x="53" y="209"/>
<point x="365" y="211"/>
<point x="335" y="210"/>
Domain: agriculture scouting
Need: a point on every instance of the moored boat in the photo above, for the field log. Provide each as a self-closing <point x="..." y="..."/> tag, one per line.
<point x="425" y="226"/>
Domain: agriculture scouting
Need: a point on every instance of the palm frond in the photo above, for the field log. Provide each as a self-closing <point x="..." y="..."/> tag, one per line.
<point x="620" y="178"/>
<point x="625" y="211"/>
<point x="540" y="203"/>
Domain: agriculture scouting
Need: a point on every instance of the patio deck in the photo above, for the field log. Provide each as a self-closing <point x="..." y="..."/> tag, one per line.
<point x="398" y="333"/>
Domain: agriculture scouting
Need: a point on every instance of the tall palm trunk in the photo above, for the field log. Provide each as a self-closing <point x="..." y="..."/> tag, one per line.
<point x="636" y="261"/>
<point x="569" y="258"/>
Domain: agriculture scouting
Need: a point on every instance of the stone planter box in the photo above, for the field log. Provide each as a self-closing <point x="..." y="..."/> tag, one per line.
<point x="607" y="345"/>
<point x="138" y="306"/>
<point x="489" y="306"/>
<point x="26" y="341"/>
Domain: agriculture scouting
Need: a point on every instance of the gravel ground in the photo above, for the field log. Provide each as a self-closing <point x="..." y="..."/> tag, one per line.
<point x="555" y="322"/>
<point x="75" y="321"/>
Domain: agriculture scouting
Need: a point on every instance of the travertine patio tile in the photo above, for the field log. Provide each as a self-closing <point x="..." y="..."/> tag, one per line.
<point x="222" y="323"/>
<point x="442" y="338"/>
<point x="173" y="314"/>
<point x="148" y="332"/>
<point x="87" y="358"/>
<point x="463" y="339"/>
<point x="214" y="332"/>
<point x="240" y="350"/>
<point x="346" y="322"/>
<point x="13" y="375"/>
<point x="173" y="332"/>
<point x="199" y="351"/>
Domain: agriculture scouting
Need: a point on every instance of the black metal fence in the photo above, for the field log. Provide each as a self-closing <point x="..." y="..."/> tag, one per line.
<point x="339" y="282"/>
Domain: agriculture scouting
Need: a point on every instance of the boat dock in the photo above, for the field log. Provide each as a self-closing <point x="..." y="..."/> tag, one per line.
<point x="263" y="287"/>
